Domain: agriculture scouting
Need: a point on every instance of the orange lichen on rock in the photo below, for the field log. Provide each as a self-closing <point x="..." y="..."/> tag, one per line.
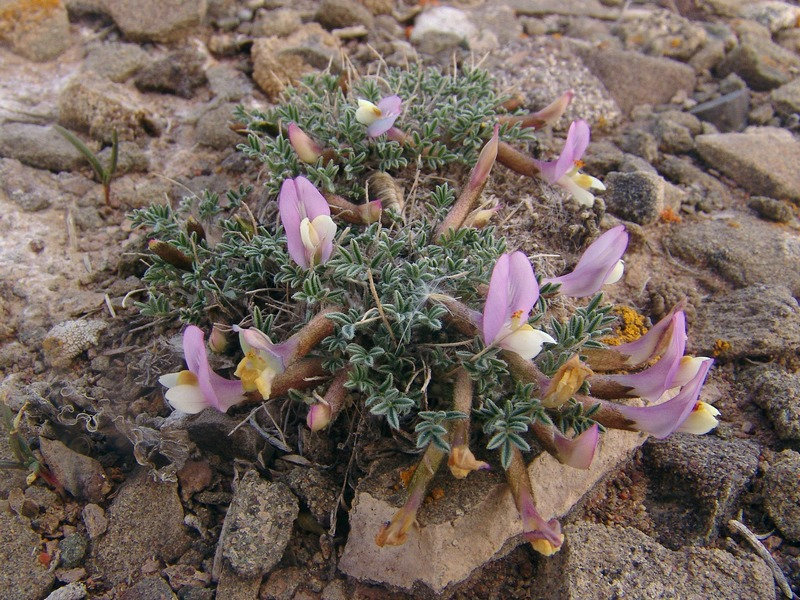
<point x="720" y="348"/>
<point x="669" y="216"/>
<point x="632" y="326"/>
<point x="406" y="475"/>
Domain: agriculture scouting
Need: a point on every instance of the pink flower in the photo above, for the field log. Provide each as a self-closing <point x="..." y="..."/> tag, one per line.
<point x="577" y="452"/>
<point x="553" y="111"/>
<point x="262" y="361"/>
<point x="654" y="381"/>
<point x="307" y="149"/>
<point x="306" y="217"/>
<point x="512" y="293"/>
<point x="381" y="117"/>
<point x="564" y="170"/>
<point x="663" y="419"/>
<point x="600" y="264"/>
<point x="643" y="349"/>
<point x="199" y="387"/>
<point x="545" y="536"/>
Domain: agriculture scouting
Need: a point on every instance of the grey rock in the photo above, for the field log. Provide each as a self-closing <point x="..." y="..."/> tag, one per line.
<point x="786" y="99"/>
<point x="38" y="35"/>
<point x="498" y="19"/>
<point x="763" y="160"/>
<point x="280" y="22"/>
<point x="763" y="64"/>
<point x="697" y="9"/>
<point x="634" y="79"/>
<point x="771" y="209"/>
<point x="640" y="142"/>
<point x="659" y="32"/>
<point x="91" y="103"/>
<point x="211" y="431"/>
<point x="336" y="14"/>
<point x="257" y="527"/>
<point x="233" y="586"/>
<point x="696" y="482"/>
<point x="609" y="562"/>
<point x="744" y="250"/>
<point x="782" y="494"/>
<point x="280" y="61"/>
<point x="38" y="146"/>
<point x="778" y="393"/>
<point x="156" y="20"/>
<point x="771" y="311"/>
<point x="709" y="56"/>
<point x="228" y="83"/>
<point x="316" y="489"/>
<point x="73" y="549"/>
<point x="72" y="591"/>
<point x="580" y="8"/>
<point x="22" y="577"/>
<point x="772" y="14"/>
<point x="442" y="28"/>
<point x="727" y="113"/>
<point x="149" y="588"/>
<point x="66" y="340"/>
<point x="705" y="192"/>
<point x="178" y="73"/>
<point x="145" y="520"/>
<point x="94" y="518"/>
<point x="115" y="61"/>
<point x="213" y="128"/>
<point x="789" y="39"/>
<point x="673" y="137"/>
<point x="130" y="158"/>
<point x="195" y="593"/>
<point x="283" y="583"/>
<point x="635" y="196"/>
<point x="82" y="476"/>
<point x="31" y="189"/>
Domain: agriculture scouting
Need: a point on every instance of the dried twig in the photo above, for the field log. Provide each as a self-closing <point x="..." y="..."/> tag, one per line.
<point x="762" y="551"/>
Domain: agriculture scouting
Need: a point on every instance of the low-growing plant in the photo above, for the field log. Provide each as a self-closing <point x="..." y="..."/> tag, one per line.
<point x="423" y="316"/>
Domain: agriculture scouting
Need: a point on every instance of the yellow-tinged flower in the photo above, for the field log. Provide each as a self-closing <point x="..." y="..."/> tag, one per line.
<point x="702" y="419"/>
<point x="462" y="462"/>
<point x="544" y="547"/>
<point x="257" y="373"/>
<point x="566" y="382"/>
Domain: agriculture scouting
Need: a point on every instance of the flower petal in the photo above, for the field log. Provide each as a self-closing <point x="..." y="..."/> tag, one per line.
<point x="578" y="452"/>
<point x="367" y="112"/>
<point x="641" y="350"/>
<point x="292" y="213"/>
<point x="523" y="290"/>
<point x="310" y="197"/>
<point x="326" y="231"/>
<point x="525" y="341"/>
<point x="495" y="310"/>
<point x="574" y="147"/>
<point x="187" y="398"/>
<point x="701" y="420"/>
<point x="663" y="419"/>
<point x="220" y="393"/>
<point x="381" y="126"/>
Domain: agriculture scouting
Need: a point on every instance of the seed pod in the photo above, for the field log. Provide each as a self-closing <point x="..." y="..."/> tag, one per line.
<point x="383" y="187"/>
<point x="193" y="226"/>
<point x="170" y="254"/>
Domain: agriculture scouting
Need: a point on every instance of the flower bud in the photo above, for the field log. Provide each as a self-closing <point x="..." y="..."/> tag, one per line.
<point x="307" y="149"/>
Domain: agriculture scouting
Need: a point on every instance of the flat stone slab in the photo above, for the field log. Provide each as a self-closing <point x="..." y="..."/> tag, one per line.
<point x="475" y="523"/>
<point x="763" y="160"/>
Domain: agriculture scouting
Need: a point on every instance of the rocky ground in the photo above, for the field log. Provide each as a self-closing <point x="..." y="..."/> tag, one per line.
<point x="695" y="111"/>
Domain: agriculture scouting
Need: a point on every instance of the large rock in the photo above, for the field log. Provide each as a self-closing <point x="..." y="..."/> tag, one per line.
<point x="758" y="321"/>
<point x="179" y="73"/>
<point x="22" y="577"/>
<point x="39" y="31"/>
<point x="659" y="32"/>
<point x="278" y="62"/>
<point x="442" y="28"/>
<point x="38" y="146"/>
<point x="786" y="99"/>
<point x="609" y="562"/>
<point x="763" y="64"/>
<point x="82" y="476"/>
<point x="744" y="250"/>
<point x="118" y="62"/>
<point x="475" y="522"/>
<point x="763" y="160"/>
<point x="704" y="473"/>
<point x="257" y="527"/>
<point x="579" y="8"/>
<point x="145" y="520"/>
<point x="335" y="14"/>
<point x="635" y="79"/>
<point x="156" y="20"/>
<point x="94" y="104"/>
<point x="778" y="393"/>
<point x="782" y="494"/>
<point x="636" y="196"/>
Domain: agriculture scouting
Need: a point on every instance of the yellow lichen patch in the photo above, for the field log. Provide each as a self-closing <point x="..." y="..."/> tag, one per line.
<point x="632" y="326"/>
<point x="406" y="475"/>
<point x="668" y="216"/>
<point x="18" y="13"/>
<point x="437" y="494"/>
<point x="720" y="348"/>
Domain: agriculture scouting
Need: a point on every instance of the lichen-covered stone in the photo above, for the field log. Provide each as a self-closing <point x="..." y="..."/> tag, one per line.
<point x="35" y="29"/>
<point x="782" y="494"/>
<point x="68" y="339"/>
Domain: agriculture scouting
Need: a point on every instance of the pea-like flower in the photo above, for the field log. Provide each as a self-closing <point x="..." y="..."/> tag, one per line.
<point x="564" y="171"/>
<point x="199" y="387"/>
<point x="512" y="293"/>
<point x="262" y="361"/>
<point x="306" y="217"/>
<point x="677" y="413"/>
<point x="379" y="118"/>
<point x="600" y="265"/>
